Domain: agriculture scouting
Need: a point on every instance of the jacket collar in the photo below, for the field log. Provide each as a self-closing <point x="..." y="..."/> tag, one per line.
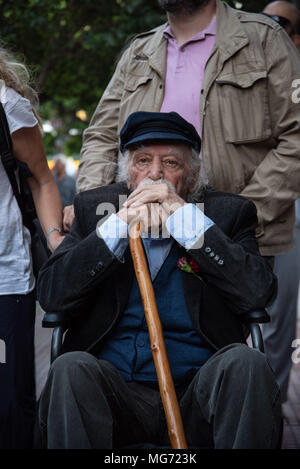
<point x="230" y="38"/>
<point x="156" y="49"/>
<point x="230" y="35"/>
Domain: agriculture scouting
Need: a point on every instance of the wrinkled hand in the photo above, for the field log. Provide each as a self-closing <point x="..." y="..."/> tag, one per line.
<point x="152" y="205"/>
<point x="141" y="214"/>
<point x="68" y="217"/>
<point x="161" y="195"/>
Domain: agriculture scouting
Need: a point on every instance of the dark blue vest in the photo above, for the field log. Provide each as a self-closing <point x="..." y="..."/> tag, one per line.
<point x="128" y="347"/>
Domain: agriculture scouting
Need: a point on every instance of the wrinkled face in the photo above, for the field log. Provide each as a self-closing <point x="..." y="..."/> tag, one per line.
<point x="155" y="162"/>
<point x="174" y="6"/>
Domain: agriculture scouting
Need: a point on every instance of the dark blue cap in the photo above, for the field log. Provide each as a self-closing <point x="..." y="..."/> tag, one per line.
<point x="144" y="126"/>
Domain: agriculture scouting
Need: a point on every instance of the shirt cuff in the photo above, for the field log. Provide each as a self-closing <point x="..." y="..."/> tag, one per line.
<point x="114" y="232"/>
<point x="187" y="225"/>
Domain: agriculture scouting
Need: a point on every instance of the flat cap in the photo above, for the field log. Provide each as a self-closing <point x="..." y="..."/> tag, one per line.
<point x="144" y="126"/>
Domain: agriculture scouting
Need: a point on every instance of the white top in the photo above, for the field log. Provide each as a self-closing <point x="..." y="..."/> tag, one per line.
<point x="16" y="276"/>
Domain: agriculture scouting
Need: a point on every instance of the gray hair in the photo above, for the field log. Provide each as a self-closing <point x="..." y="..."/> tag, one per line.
<point x="195" y="165"/>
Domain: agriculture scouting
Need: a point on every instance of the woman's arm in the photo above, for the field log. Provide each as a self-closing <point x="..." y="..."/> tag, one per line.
<point x="28" y="147"/>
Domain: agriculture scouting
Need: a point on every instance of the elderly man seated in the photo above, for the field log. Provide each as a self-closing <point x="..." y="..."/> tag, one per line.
<point x="206" y="272"/>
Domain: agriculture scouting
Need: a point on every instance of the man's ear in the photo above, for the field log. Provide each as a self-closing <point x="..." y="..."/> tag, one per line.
<point x="296" y="39"/>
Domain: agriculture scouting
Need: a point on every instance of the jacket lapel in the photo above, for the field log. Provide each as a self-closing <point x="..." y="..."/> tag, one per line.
<point x="230" y="38"/>
<point x="192" y="285"/>
<point x="158" y="53"/>
<point x="123" y="279"/>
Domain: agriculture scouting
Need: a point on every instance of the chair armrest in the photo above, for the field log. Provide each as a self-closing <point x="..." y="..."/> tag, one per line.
<point x="52" y="320"/>
<point x="57" y="342"/>
<point x="256" y="337"/>
<point x="252" y="319"/>
<point x="260" y="316"/>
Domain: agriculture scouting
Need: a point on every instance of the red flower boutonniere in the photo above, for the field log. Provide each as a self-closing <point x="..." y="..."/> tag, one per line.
<point x="190" y="266"/>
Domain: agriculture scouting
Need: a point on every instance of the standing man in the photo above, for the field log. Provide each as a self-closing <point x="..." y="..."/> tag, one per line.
<point x="281" y="331"/>
<point x="288" y="15"/>
<point x="65" y="183"/>
<point x="240" y="68"/>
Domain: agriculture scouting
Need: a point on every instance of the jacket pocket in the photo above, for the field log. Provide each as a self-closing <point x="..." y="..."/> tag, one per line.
<point x="244" y="105"/>
<point x="137" y="96"/>
<point x="133" y="82"/>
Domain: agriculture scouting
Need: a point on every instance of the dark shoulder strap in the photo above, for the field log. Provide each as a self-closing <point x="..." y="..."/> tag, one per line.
<point x="5" y="143"/>
<point x="7" y="157"/>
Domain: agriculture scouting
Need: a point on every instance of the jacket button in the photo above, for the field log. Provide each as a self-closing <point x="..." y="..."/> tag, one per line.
<point x="92" y="273"/>
<point x="99" y="266"/>
<point x="216" y="257"/>
<point x="221" y="262"/>
<point x="212" y="254"/>
<point x="208" y="249"/>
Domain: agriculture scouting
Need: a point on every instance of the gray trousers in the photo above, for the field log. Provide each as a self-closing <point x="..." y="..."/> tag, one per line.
<point x="232" y="402"/>
<point x="281" y="331"/>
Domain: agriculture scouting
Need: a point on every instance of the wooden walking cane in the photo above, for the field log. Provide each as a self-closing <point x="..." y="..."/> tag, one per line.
<point x="165" y="380"/>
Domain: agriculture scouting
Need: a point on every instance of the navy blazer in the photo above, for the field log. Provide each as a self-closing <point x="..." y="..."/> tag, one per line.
<point x="90" y="287"/>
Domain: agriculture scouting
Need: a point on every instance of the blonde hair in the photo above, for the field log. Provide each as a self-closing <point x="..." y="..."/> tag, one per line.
<point x="15" y="75"/>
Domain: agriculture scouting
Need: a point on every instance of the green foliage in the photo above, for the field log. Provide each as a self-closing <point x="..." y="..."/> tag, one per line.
<point x="71" y="47"/>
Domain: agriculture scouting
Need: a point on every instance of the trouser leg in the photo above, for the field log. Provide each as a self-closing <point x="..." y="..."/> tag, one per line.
<point x="17" y="375"/>
<point x="86" y="404"/>
<point x="233" y="398"/>
<point x="280" y="332"/>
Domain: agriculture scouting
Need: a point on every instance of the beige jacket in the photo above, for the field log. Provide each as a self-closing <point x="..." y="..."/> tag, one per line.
<point x="250" y="124"/>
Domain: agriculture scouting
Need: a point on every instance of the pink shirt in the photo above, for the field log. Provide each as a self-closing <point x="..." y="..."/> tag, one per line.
<point x="185" y="71"/>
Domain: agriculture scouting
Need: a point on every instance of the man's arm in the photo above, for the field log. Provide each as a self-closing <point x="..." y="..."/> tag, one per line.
<point x="77" y="267"/>
<point x="275" y="182"/>
<point x="233" y="265"/>
<point x="230" y="262"/>
<point x="99" y="152"/>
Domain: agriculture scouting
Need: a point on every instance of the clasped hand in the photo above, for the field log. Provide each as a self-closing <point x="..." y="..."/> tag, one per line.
<point x="151" y="205"/>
